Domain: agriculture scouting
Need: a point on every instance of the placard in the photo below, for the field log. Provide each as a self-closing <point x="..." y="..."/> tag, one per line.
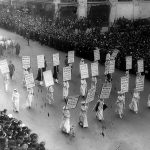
<point x="128" y="62"/>
<point x="140" y="83"/>
<point x="124" y="84"/>
<point x="72" y="101"/>
<point x="4" y="66"/>
<point x="90" y="95"/>
<point x="115" y="53"/>
<point x="26" y="62"/>
<point x="70" y="57"/>
<point x="40" y="61"/>
<point x="29" y="80"/>
<point x="106" y="89"/>
<point x="48" y="78"/>
<point x="84" y="71"/>
<point x="94" y="69"/>
<point x="56" y="59"/>
<point x="66" y="73"/>
<point x="112" y="66"/>
<point x="96" y="55"/>
<point x="140" y="65"/>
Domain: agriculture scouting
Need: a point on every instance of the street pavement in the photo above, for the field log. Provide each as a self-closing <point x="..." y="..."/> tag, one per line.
<point x="130" y="133"/>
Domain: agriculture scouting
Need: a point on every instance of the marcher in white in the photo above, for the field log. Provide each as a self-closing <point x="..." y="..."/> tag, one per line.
<point x="83" y="122"/>
<point x="30" y="97"/>
<point x="135" y="101"/>
<point x="65" y="90"/>
<point x="6" y="81"/>
<point x="15" y="100"/>
<point x="148" y="102"/>
<point x="93" y="82"/>
<point x="50" y="94"/>
<point x="120" y="103"/>
<point x="82" y="61"/>
<point x="65" y="124"/>
<point x="83" y="87"/>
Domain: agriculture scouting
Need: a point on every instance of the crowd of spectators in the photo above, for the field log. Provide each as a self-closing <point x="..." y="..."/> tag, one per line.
<point x="82" y="35"/>
<point x="14" y="135"/>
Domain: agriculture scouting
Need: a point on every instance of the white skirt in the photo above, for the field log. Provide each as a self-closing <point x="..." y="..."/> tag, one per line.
<point x="133" y="106"/>
<point x="65" y="125"/>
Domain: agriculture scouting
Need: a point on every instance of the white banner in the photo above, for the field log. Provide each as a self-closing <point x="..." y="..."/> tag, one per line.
<point x="4" y="66"/>
<point x="90" y="95"/>
<point x="128" y="62"/>
<point x="66" y="73"/>
<point x="96" y="55"/>
<point x="94" y="69"/>
<point x="48" y="78"/>
<point x="124" y="84"/>
<point x="26" y="62"/>
<point x="70" y="57"/>
<point x="140" y="65"/>
<point x="72" y="102"/>
<point x="56" y="59"/>
<point x="84" y="71"/>
<point x="29" y="79"/>
<point x="106" y="89"/>
<point x="40" y="61"/>
<point x="140" y="83"/>
<point x="112" y="66"/>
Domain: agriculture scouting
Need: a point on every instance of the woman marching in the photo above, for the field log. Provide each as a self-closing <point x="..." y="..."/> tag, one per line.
<point x="83" y="87"/>
<point x="120" y="103"/>
<point x="65" y="90"/>
<point x="30" y="97"/>
<point x="148" y="102"/>
<point x="135" y="101"/>
<point x="6" y="81"/>
<point x="15" y="100"/>
<point x="93" y="82"/>
<point x="50" y="94"/>
<point x="83" y="115"/>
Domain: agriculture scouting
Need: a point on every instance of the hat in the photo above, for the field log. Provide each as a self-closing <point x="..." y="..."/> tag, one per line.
<point x="83" y="102"/>
<point x="65" y="107"/>
<point x="82" y="59"/>
<point x="22" y="125"/>
<point x="10" y="115"/>
<point x="120" y="92"/>
<point x="15" y="90"/>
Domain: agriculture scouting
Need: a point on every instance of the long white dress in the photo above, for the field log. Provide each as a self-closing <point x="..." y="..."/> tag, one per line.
<point x="99" y="113"/>
<point x="6" y="82"/>
<point x="83" y="87"/>
<point x="148" y="102"/>
<point x="30" y="97"/>
<point x="93" y="82"/>
<point x="83" y="116"/>
<point x="65" y="124"/>
<point x="15" y="100"/>
<point x="65" y="89"/>
<point x="50" y="94"/>
<point x="120" y="105"/>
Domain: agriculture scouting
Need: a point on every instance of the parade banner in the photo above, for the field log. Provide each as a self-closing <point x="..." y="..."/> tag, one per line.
<point x="114" y="54"/>
<point x="70" y="57"/>
<point x="106" y="89"/>
<point x="48" y="78"/>
<point x="66" y="73"/>
<point x="56" y="59"/>
<point x="26" y="62"/>
<point x="140" y="65"/>
<point x="112" y="66"/>
<point x="40" y="61"/>
<point x="124" y="84"/>
<point x="96" y="55"/>
<point x="84" y="71"/>
<point x="72" y="102"/>
<point x="90" y="95"/>
<point x="94" y="69"/>
<point x="29" y="79"/>
<point x="4" y="66"/>
<point x="140" y="83"/>
<point x="128" y="62"/>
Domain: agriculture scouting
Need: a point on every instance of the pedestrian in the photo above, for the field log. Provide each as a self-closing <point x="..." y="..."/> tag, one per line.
<point x="55" y="74"/>
<point x="15" y="100"/>
<point x="83" y="122"/>
<point x="93" y="82"/>
<point x="135" y="101"/>
<point x="120" y="103"/>
<point x="30" y="97"/>
<point x="65" y="90"/>
<point x="6" y="81"/>
<point x="148" y="102"/>
<point x="17" y="46"/>
<point x="50" y="94"/>
<point x="83" y="87"/>
<point x="11" y="69"/>
<point x="66" y="62"/>
<point x="65" y="124"/>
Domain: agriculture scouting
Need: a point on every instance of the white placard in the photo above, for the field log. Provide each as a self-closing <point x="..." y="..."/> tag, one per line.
<point x="66" y="73"/>
<point x="4" y="66"/>
<point x="70" y="57"/>
<point x="48" y="78"/>
<point x="140" y="83"/>
<point x="72" y="102"/>
<point x="124" y="84"/>
<point x="94" y="69"/>
<point x="140" y="65"/>
<point x="90" y="95"/>
<point x="106" y="89"/>
<point x="40" y="61"/>
<point x="26" y="62"/>
<point x="29" y="79"/>
<point x="112" y="66"/>
<point x="96" y="55"/>
<point x="84" y="71"/>
<point x="56" y="59"/>
<point x="128" y="62"/>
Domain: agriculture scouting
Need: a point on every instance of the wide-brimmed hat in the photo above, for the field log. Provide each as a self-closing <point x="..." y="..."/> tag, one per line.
<point x="83" y="102"/>
<point x="82" y="59"/>
<point x="65" y="107"/>
<point x="10" y="115"/>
